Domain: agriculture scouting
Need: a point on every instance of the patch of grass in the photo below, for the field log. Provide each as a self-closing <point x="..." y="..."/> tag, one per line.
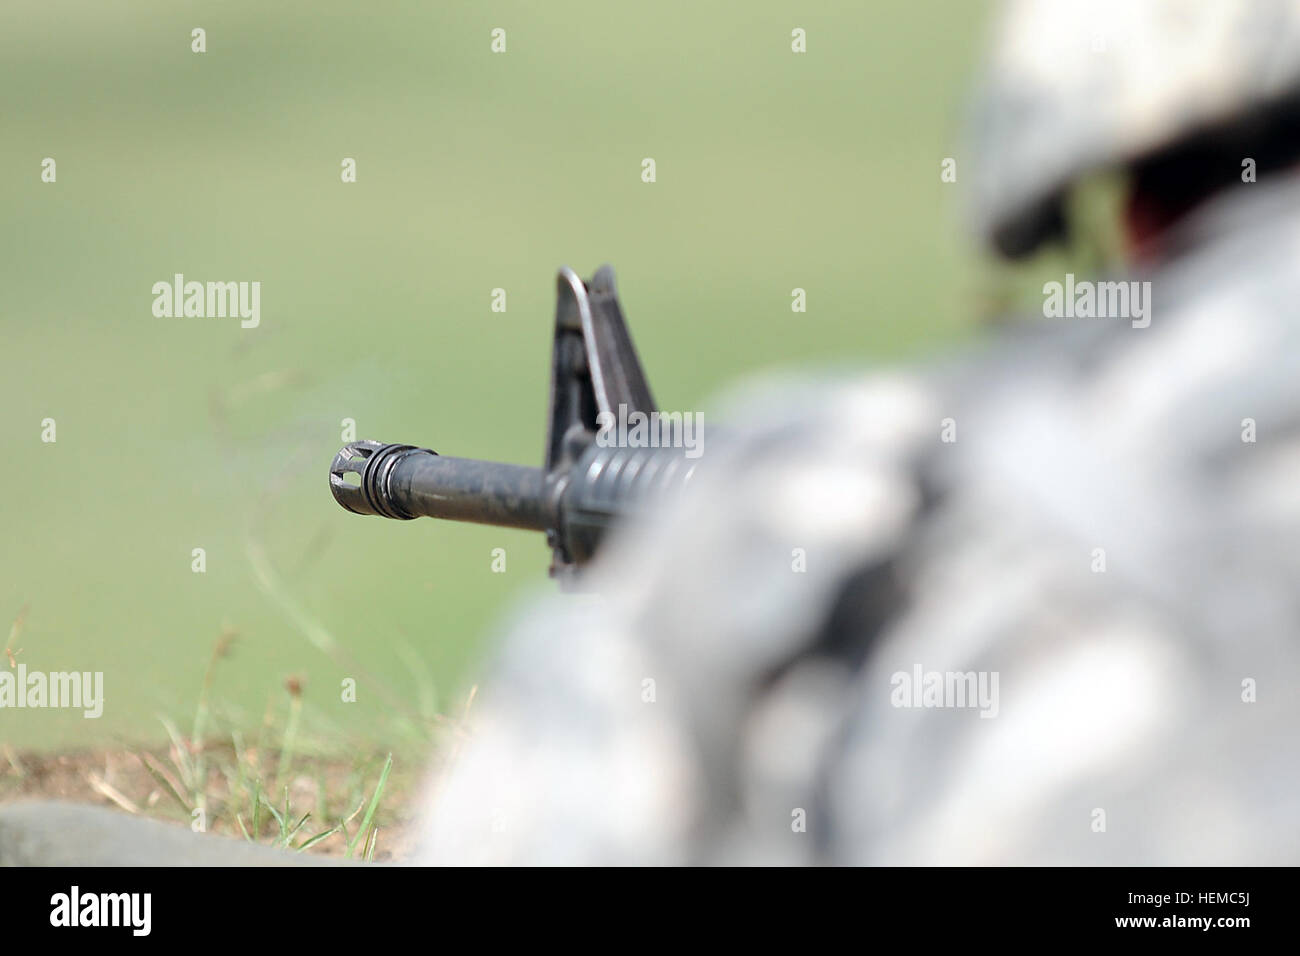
<point x="213" y="785"/>
<point x="290" y="787"/>
<point x="335" y="804"/>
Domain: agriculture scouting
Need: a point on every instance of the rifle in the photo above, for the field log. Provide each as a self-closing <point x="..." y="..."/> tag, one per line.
<point x="584" y="487"/>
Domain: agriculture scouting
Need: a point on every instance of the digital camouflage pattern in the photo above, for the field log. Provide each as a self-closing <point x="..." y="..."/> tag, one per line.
<point x="1155" y="698"/>
<point x="1076" y="87"/>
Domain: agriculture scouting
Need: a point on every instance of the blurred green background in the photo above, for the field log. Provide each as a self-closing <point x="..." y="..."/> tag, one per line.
<point x="475" y="171"/>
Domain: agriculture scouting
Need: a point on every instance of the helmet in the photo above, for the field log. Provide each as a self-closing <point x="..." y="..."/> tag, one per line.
<point x="1075" y="86"/>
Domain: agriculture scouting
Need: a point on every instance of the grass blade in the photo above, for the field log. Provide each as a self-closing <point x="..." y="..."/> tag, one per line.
<point x="312" y="841"/>
<point x="374" y="805"/>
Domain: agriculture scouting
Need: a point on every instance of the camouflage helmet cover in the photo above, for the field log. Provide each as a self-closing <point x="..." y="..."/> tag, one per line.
<point x="1073" y="86"/>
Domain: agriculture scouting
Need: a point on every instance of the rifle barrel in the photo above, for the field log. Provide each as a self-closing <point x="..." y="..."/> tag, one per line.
<point x="575" y="507"/>
<point x="403" y="482"/>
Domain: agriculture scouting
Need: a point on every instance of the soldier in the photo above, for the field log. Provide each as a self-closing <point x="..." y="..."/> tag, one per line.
<point x="1033" y="607"/>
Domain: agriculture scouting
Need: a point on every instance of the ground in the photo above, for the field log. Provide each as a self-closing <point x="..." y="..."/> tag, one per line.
<point x="321" y="792"/>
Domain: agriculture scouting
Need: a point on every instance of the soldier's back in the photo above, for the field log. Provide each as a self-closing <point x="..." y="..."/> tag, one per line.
<point x="1030" y="606"/>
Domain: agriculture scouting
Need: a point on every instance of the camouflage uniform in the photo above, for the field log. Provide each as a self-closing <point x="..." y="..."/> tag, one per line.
<point x="1125" y="692"/>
